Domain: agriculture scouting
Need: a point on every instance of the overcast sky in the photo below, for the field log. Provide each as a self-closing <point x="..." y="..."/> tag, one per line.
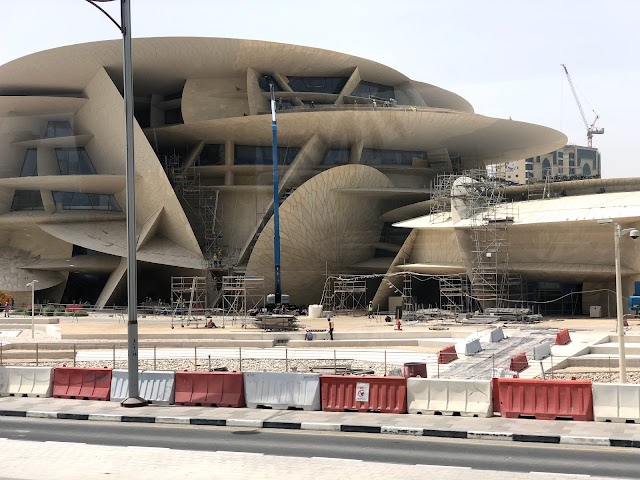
<point x="503" y="56"/>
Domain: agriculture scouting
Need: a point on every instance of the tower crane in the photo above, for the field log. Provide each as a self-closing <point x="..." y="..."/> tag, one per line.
<point x="591" y="129"/>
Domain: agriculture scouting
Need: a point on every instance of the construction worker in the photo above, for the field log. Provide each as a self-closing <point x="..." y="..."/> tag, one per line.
<point x="330" y="325"/>
<point x="370" y="310"/>
<point x="393" y="103"/>
<point x="375" y="105"/>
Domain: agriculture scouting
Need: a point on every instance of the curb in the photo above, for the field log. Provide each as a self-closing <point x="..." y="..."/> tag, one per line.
<point x="335" y="427"/>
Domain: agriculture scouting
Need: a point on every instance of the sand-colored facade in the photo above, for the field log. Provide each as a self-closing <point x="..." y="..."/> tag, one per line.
<point x="360" y="144"/>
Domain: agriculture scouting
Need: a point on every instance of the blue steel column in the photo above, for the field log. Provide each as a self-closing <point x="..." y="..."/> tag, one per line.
<point x="276" y="200"/>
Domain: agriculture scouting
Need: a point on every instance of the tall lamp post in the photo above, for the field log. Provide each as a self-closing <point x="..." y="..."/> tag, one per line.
<point x="618" y="232"/>
<point x="32" y="284"/>
<point x="134" y="399"/>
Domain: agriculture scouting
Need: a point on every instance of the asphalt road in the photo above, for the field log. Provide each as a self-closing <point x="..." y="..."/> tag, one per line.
<point x="484" y="455"/>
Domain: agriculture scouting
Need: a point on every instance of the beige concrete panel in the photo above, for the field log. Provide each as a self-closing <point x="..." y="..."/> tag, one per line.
<point x="116" y="278"/>
<point x="34" y="105"/>
<point x="283" y="81"/>
<point x="601" y="293"/>
<point x="37" y="217"/>
<point x="37" y="242"/>
<point x="71" y="141"/>
<point x="110" y="237"/>
<point x="156" y="114"/>
<point x="350" y="86"/>
<point x="406" y="94"/>
<point x="439" y="97"/>
<point x="356" y="152"/>
<point x="103" y="184"/>
<point x="194" y="154"/>
<point x="321" y="228"/>
<point x="15" y="129"/>
<point x="414" y="210"/>
<point x="209" y="98"/>
<point x="150" y="228"/>
<point x="381" y="297"/>
<point x="246" y="209"/>
<point x="309" y="156"/>
<point x="436" y="247"/>
<point x="47" y="201"/>
<point x="47" y="163"/>
<point x="101" y="115"/>
<point x="255" y="100"/>
<point x="79" y="263"/>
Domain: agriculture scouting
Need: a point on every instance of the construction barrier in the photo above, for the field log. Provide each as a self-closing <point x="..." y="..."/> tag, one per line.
<point x="518" y="362"/>
<point x="435" y="396"/>
<point x="25" y="381"/>
<point x="363" y="394"/>
<point x="563" y="337"/>
<point x="82" y="383"/>
<point x="469" y="347"/>
<point x="542" y="351"/>
<point x="447" y="355"/>
<point x="545" y="399"/>
<point x="156" y="387"/>
<point x="210" y="389"/>
<point x="615" y="402"/>
<point x="496" y="335"/>
<point x="282" y="391"/>
<point x="414" y="369"/>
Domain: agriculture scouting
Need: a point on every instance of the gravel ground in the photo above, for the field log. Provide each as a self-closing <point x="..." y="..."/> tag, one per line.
<point x="599" y="377"/>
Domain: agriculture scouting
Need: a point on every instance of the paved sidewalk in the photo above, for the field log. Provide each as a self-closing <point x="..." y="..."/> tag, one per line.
<point x="495" y="428"/>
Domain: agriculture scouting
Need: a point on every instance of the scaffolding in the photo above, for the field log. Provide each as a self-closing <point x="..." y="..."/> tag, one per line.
<point x="441" y="195"/>
<point x="188" y="300"/>
<point x="454" y="293"/>
<point x="408" y="307"/>
<point x="241" y="296"/>
<point x="349" y="294"/>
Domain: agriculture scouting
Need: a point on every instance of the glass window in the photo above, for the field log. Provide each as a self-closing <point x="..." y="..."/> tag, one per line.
<point x="336" y="156"/>
<point x="30" y="164"/>
<point x="546" y="168"/>
<point x="579" y="161"/>
<point x="571" y="155"/>
<point x="586" y="170"/>
<point x="371" y="156"/>
<point x="58" y="129"/>
<point x="74" y="161"/>
<point x="528" y="166"/>
<point x="587" y="154"/>
<point x="538" y="159"/>
<point x="317" y="84"/>
<point x="251" y="155"/>
<point x="212" y="154"/>
<point x="560" y="162"/>
<point x="373" y="90"/>
<point x="27" y="200"/>
<point x="85" y="201"/>
<point x="560" y="155"/>
<point x="265" y="81"/>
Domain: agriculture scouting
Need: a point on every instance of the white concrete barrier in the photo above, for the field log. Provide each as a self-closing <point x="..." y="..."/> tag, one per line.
<point x="157" y="387"/>
<point x="542" y="351"/>
<point x="26" y="381"/>
<point x="496" y="335"/>
<point x="615" y="402"/>
<point x="439" y="396"/>
<point x="469" y="347"/>
<point x="282" y="391"/>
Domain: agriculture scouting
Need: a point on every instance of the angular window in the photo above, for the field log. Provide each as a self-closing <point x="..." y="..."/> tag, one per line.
<point x="212" y="154"/>
<point x="74" y="161"/>
<point x="250" y="155"/>
<point x="27" y="200"/>
<point x="30" y="165"/>
<point x="317" y="84"/>
<point x="58" y="129"/>
<point x="373" y="90"/>
<point x="265" y="81"/>
<point x="371" y="156"/>
<point x="336" y="156"/>
<point x="85" y="201"/>
<point x="586" y="169"/>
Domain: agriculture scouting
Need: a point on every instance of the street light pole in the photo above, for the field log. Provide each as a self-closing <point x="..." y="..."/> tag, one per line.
<point x="622" y="362"/>
<point x="32" y="284"/>
<point x="134" y="399"/>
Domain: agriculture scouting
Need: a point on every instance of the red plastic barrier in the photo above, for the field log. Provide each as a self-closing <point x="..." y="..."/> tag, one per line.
<point x="545" y="399"/>
<point x="447" y="355"/>
<point x="519" y="362"/>
<point x="210" y="389"/>
<point x="82" y="383"/>
<point x="562" y="338"/>
<point x="495" y="395"/>
<point x="73" y="307"/>
<point x="385" y="394"/>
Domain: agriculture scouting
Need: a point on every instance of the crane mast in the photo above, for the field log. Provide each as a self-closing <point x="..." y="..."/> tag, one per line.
<point x="591" y="128"/>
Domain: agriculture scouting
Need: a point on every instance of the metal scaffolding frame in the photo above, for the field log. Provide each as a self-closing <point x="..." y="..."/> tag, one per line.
<point x="454" y="293"/>
<point x="188" y="300"/>
<point x="349" y="294"/>
<point x="240" y="296"/>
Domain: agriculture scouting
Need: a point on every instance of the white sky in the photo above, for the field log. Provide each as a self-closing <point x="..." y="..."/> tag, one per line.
<point x="503" y="56"/>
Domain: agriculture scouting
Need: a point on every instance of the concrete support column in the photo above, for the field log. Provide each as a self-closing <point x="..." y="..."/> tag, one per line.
<point x="229" y="154"/>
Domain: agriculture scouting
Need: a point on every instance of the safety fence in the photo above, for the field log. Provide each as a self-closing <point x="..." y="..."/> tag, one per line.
<point x="508" y="397"/>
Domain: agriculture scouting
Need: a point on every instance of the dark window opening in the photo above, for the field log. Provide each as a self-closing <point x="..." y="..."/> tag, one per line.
<point x="30" y="165"/>
<point x="212" y="154"/>
<point x="336" y="156"/>
<point x="173" y="96"/>
<point x="317" y="84"/>
<point x="373" y="90"/>
<point x="265" y="81"/>
<point x="74" y="161"/>
<point x="372" y="156"/>
<point x="85" y="201"/>
<point x="250" y="155"/>
<point x="173" y="116"/>
<point x="26" y="200"/>
<point x="58" y="129"/>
